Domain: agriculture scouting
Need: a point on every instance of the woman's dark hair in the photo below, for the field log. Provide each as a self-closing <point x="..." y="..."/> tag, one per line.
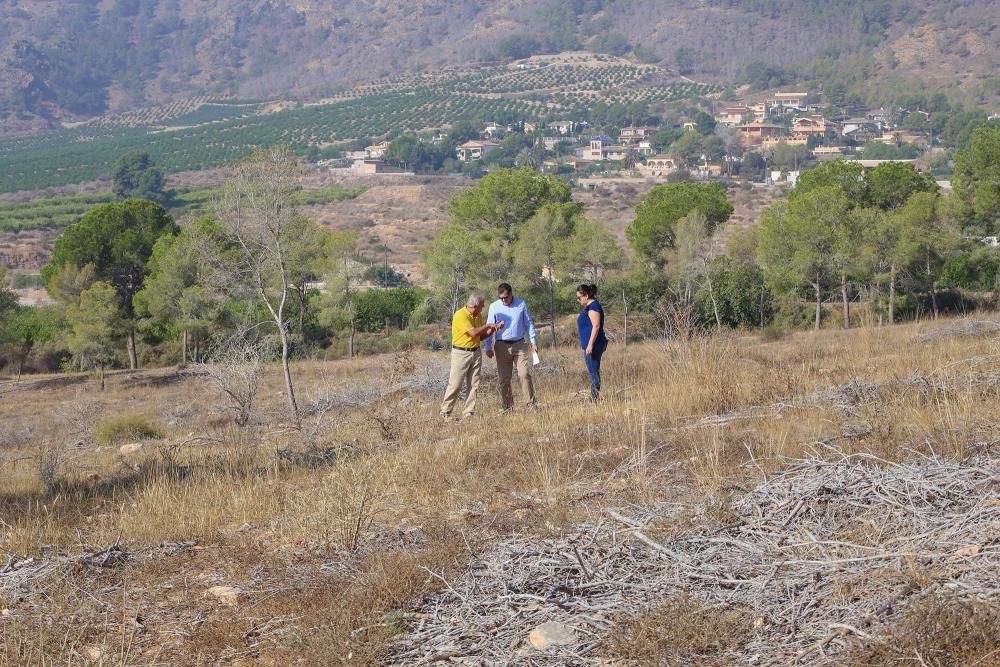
<point x="589" y="290"/>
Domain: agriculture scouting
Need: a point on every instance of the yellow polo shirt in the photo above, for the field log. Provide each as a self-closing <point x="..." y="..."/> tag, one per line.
<point x="460" y="325"/>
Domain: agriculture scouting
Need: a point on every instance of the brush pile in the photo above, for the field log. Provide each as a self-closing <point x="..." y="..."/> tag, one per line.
<point x="819" y="556"/>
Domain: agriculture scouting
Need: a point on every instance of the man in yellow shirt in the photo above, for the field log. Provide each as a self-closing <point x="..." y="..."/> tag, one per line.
<point x="468" y="329"/>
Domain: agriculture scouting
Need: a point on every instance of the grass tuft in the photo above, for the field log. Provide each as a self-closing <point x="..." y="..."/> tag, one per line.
<point x="125" y="427"/>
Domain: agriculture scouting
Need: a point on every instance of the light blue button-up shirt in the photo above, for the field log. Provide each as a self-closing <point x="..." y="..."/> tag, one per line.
<point x="516" y="318"/>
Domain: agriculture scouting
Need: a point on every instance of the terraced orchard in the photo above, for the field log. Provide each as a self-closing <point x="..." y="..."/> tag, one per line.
<point x="204" y="132"/>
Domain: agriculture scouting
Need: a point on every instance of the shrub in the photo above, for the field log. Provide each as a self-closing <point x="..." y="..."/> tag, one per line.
<point x="374" y="308"/>
<point x="975" y="271"/>
<point x="125" y="427"/>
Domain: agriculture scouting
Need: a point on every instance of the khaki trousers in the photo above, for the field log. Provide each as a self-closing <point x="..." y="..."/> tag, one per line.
<point x="508" y="356"/>
<point x="465" y="367"/>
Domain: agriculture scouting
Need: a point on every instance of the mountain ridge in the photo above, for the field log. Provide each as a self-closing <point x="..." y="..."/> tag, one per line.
<point x="76" y="60"/>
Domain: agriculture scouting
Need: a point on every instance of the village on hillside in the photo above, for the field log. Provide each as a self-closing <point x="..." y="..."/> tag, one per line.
<point x="769" y="139"/>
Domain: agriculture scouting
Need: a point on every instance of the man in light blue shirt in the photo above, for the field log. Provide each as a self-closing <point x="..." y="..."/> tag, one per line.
<point x="510" y="347"/>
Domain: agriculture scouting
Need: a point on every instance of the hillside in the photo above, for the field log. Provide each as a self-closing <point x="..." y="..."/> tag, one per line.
<point x="66" y="61"/>
<point x="199" y="133"/>
<point x="826" y="499"/>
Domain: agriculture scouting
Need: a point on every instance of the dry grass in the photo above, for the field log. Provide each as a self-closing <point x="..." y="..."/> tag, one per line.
<point x="329" y="529"/>
<point x="681" y="631"/>
<point x="942" y="630"/>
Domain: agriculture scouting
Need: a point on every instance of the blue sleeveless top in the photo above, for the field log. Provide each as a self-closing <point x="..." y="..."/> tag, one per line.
<point x="584" y="325"/>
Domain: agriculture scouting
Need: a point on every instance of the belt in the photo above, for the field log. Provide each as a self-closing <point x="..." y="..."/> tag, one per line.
<point x="512" y="342"/>
<point x="464" y="349"/>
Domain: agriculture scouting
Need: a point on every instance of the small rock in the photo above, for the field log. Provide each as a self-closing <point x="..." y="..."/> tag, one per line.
<point x="551" y="633"/>
<point x="971" y="550"/>
<point x="130" y="448"/>
<point x="93" y="653"/>
<point x="226" y="595"/>
<point x="5" y="612"/>
<point x="405" y="402"/>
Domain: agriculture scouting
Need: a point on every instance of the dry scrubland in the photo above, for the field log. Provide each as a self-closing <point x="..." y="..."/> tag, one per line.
<point x="731" y="501"/>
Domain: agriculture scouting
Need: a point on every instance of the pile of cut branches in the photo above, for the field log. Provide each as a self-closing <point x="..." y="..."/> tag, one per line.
<point x="821" y="554"/>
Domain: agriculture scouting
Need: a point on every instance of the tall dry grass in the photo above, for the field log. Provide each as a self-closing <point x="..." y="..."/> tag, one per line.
<point x="398" y="494"/>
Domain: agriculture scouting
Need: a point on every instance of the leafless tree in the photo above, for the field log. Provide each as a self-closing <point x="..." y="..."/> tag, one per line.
<point x="258" y="221"/>
<point x="235" y="369"/>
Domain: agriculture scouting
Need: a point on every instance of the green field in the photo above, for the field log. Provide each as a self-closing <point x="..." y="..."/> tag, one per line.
<point x="63" y="210"/>
<point x="200" y="200"/>
<point x="58" y="211"/>
<point x="203" y="133"/>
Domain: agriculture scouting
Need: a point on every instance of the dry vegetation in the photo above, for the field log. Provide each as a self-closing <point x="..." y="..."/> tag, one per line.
<point x="376" y="533"/>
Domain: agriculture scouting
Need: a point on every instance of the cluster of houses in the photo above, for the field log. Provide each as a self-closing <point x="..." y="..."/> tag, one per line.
<point x="756" y="123"/>
<point x="779" y="118"/>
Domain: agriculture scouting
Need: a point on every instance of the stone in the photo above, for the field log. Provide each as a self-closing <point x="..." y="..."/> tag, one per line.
<point x="971" y="550"/>
<point x="93" y="653"/>
<point x="227" y="595"/>
<point x="405" y="402"/>
<point x="130" y="448"/>
<point x="551" y="633"/>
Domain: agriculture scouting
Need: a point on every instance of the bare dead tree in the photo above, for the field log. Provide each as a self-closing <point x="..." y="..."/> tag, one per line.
<point x="257" y="219"/>
<point x="235" y="369"/>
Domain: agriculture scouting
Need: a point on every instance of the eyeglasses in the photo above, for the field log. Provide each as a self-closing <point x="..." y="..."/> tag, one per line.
<point x="581" y="296"/>
<point x="505" y="297"/>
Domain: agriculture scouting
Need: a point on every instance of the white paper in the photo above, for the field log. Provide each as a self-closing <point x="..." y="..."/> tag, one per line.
<point x="534" y="359"/>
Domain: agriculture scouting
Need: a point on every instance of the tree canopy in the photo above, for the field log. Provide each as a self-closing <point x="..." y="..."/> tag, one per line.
<point x="652" y="231"/>
<point x="977" y="178"/>
<point x="117" y="240"/>
<point x="135" y="176"/>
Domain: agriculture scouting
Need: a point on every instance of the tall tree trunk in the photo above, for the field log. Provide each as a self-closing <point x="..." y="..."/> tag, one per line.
<point x="819" y="301"/>
<point x="933" y="285"/>
<point x="197" y="345"/>
<point x="762" y="308"/>
<point x="715" y="304"/>
<point x="350" y="340"/>
<point x="625" y="309"/>
<point x="300" y="292"/>
<point x="847" y="304"/>
<point x="100" y="374"/>
<point x="133" y="362"/>
<point x="892" y="294"/>
<point x="288" y="375"/>
<point x="184" y="347"/>
<point x="552" y="311"/>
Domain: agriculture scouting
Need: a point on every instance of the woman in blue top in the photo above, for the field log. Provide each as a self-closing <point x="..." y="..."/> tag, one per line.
<point x="590" y="323"/>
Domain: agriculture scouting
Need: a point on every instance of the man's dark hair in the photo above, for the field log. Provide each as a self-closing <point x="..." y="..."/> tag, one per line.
<point x="505" y="288"/>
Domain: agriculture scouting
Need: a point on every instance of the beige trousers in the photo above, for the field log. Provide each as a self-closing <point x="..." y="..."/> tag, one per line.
<point x="508" y="356"/>
<point x="465" y="367"/>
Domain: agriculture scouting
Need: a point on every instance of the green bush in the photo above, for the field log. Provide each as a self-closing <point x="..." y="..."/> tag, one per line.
<point x="375" y="308"/>
<point x="738" y="295"/>
<point x="976" y="271"/>
<point x="125" y="427"/>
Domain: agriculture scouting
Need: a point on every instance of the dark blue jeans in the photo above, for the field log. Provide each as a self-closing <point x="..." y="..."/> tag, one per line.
<point x="593" y="362"/>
